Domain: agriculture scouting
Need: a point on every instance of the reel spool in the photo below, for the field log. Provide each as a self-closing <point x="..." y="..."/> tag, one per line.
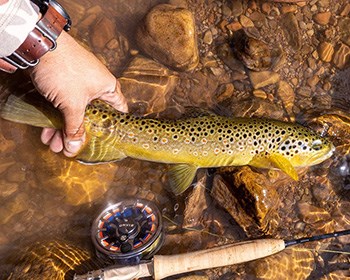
<point x="128" y="231"/>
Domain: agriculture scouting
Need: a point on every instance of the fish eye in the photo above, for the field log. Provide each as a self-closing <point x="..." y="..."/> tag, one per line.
<point x="316" y="145"/>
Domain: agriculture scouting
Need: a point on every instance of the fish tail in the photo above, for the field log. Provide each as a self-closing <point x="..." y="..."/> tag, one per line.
<point x="31" y="110"/>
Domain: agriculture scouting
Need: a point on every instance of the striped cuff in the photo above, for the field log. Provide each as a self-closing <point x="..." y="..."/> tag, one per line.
<point x="17" y="19"/>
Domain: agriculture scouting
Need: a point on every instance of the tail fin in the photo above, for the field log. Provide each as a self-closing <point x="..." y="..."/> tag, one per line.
<point x="31" y="110"/>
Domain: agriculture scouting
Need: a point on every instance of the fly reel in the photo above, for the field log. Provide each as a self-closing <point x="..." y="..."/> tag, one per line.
<point x="128" y="231"/>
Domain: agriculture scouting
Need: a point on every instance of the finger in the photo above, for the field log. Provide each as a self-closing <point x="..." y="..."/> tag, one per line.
<point x="74" y="132"/>
<point x="46" y="135"/>
<point x="56" y="144"/>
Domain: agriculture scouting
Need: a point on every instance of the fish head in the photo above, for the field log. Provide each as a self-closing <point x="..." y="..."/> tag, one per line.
<point x="306" y="148"/>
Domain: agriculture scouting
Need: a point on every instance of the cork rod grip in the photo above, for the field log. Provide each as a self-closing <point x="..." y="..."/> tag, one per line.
<point x="165" y="266"/>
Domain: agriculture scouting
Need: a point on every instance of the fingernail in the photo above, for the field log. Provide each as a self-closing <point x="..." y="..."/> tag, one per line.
<point x="74" y="146"/>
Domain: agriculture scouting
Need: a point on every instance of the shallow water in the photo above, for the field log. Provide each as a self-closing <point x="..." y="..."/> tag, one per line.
<point x="45" y="197"/>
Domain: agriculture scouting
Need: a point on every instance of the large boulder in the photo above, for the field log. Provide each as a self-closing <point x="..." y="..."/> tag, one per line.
<point x="168" y="35"/>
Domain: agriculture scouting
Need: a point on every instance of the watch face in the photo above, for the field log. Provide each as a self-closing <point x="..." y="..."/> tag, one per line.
<point x="43" y="4"/>
<point x="63" y="12"/>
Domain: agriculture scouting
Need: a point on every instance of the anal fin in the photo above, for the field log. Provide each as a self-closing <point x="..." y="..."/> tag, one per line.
<point x="181" y="176"/>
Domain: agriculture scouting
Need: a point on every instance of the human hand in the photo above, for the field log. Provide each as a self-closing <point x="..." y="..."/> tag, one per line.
<point x="70" y="77"/>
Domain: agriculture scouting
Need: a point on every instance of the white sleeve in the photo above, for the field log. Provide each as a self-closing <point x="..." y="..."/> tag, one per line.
<point x="17" y="20"/>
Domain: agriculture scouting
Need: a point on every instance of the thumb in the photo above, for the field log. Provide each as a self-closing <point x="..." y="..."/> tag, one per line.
<point x="73" y="132"/>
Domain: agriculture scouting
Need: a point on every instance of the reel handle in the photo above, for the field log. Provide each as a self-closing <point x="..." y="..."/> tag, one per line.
<point x="165" y="266"/>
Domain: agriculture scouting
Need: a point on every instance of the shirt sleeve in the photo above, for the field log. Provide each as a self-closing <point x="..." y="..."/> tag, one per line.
<point x="17" y="20"/>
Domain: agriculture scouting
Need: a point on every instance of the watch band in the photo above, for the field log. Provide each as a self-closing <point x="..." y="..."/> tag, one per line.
<point x="40" y="40"/>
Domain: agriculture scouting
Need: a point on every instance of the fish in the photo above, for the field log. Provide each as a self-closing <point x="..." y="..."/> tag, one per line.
<point x="203" y="140"/>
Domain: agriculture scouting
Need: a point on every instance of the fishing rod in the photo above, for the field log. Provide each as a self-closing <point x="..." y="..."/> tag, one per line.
<point x="162" y="266"/>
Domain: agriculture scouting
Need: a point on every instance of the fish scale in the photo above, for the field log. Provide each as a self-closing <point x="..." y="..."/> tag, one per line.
<point x="203" y="141"/>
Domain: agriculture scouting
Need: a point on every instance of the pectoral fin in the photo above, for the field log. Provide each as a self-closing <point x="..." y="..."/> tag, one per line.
<point x="97" y="151"/>
<point x="282" y="163"/>
<point x="181" y="176"/>
<point x="276" y="161"/>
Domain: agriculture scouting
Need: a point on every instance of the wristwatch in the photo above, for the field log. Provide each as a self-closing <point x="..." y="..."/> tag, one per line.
<point x="43" y="37"/>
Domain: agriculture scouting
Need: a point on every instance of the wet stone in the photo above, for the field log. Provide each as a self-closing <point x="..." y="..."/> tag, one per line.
<point x="322" y="18"/>
<point x="253" y="195"/>
<point x="266" y="7"/>
<point x="102" y="32"/>
<point x="291" y="30"/>
<point x="236" y="7"/>
<point x="208" y="37"/>
<point x="168" y="35"/>
<point x="147" y="84"/>
<point x="255" y="54"/>
<point x="288" y="9"/>
<point x="287" y="96"/>
<point x="245" y="21"/>
<point x="341" y="57"/>
<point x="325" y="51"/>
<point x="346" y="10"/>
<point x="263" y="78"/>
<point x="234" y="26"/>
<point x="285" y="263"/>
<point x="344" y="30"/>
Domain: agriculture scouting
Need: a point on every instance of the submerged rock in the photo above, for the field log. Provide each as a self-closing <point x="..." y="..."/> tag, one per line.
<point x="263" y="78"/>
<point x="147" y="84"/>
<point x="287" y="96"/>
<point x="52" y="260"/>
<point x="325" y="51"/>
<point x="291" y="30"/>
<point x="255" y="54"/>
<point x="168" y="35"/>
<point x="249" y="198"/>
<point x="297" y="263"/>
<point x="341" y="57"/>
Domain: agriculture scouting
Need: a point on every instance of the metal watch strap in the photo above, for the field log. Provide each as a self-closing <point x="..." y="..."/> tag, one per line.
<point x="40" y="40"/>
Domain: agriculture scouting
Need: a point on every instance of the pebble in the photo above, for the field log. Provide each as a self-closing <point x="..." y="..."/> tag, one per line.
<point x="345" y="12"/>
<point x="312" y="63"/>
<point x="288" y="9"/>
<point x="327" y="86"/>
<point x="234" y="26"/>
<point x="260" y="93"/>
<point x="245" y="21"/>
<point x="263" y="78"/>
<point x="313" y="81"/>
<point x="236" y="8"/>
<point x="208" y="37"/>
<point x="322" y="18"/>
<point x="295" y="81"/>
<point x="313" y="8"/>
<point x="223" y="24"/>
<point x="266" y="8"/>
<point x="341" y="57"/>
<point x="325" y="51"/>
<point x="226" y="11"/>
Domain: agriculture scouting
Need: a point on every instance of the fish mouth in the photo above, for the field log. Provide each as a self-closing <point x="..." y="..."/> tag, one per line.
<point x="315" y="159"/>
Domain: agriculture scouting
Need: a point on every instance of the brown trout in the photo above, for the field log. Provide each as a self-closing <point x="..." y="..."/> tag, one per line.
<point x="203" y="141"/>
